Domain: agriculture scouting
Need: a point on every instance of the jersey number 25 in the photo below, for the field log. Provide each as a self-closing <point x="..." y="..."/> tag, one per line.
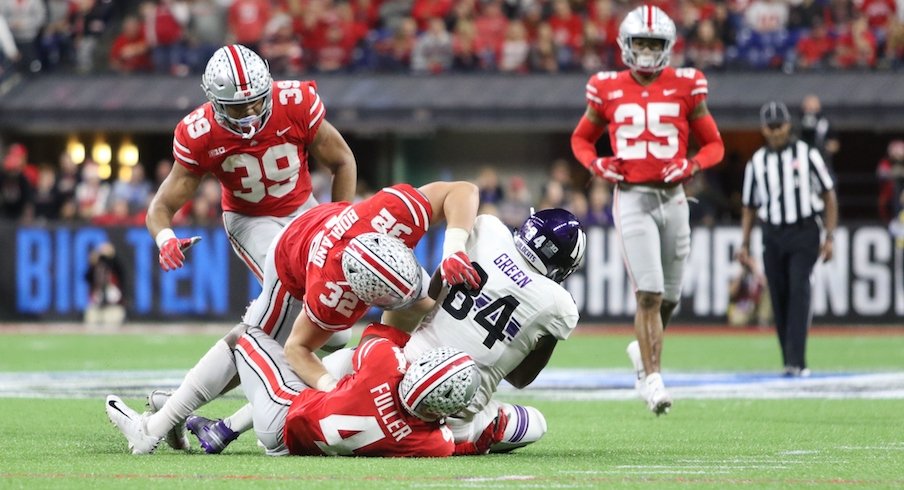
<point x="633" y="119"/>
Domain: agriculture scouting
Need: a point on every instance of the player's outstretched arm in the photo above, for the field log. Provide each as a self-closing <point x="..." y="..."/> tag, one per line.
<point x="330" y="149"/>
<point x="526" y="372"/>
<point x="303" y="341"/>
<point x="457" y="203"/>
<point x="178" y="187"/>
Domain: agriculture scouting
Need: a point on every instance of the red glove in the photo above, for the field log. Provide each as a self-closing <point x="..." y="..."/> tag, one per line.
<point x="457" y="269"/>
<point x="493" y="434"/>
<point x="171" y="253"/>
<point x="608" y="168"/>
<point x="679" y="170"/>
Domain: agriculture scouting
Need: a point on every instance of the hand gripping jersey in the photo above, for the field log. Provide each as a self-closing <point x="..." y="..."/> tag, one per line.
<point x="499" y="325"/>
<point x="268" y="174"/>
<point x="648" y="125"/>
<point x="308" y="255"/>
<point x="363" y="415"/>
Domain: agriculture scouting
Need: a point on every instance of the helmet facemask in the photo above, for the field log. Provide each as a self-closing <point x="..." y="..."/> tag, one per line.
<point x="553" y="242"/>
<point x="647" y="23"/>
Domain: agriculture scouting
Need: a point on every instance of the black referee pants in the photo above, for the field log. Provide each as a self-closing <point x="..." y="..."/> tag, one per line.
<point x="789" y="255"/>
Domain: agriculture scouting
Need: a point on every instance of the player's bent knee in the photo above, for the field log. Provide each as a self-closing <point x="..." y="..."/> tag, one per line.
<point x="648" y="300"/>
<point x="526" y="425"/>
<point x="232" y="337"/>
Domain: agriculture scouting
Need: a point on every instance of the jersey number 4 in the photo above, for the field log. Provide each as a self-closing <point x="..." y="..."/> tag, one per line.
<point x="492" y="316"/>
<point x="365" y="431"/>
<point x="633" y="119"/>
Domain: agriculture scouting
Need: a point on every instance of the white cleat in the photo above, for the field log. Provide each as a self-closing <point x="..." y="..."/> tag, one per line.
<point x="658" y="399"/>
<point x="132" y="426"/>
<point x="176" y="438"/>
<point x="633" y="351"/>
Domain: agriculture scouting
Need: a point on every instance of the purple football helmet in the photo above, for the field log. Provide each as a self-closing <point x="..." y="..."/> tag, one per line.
<point x="553" y="242"/>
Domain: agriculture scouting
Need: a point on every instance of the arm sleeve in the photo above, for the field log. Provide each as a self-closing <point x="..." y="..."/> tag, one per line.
<point x="583" y="141"/>
<point x="183" y="154"/>
<point x="711" y="147"/>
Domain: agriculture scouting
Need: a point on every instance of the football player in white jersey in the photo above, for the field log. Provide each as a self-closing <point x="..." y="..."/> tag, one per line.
<point x="512" y="323"/>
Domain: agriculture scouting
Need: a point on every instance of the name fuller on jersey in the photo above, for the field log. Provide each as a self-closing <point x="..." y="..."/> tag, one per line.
<point x="389" y="416"/>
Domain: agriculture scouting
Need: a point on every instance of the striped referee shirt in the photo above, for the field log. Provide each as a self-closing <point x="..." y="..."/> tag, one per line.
<point x="786" y="185"/>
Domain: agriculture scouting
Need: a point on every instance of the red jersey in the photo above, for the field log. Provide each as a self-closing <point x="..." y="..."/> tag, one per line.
<point x="363" y="415"/>
<point x="648" y="125"/>
<point x="309" y="253"/>
<point x="266" y="175"/>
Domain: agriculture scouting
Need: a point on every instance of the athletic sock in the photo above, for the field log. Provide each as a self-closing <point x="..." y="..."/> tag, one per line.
<point x="202" y="383"/>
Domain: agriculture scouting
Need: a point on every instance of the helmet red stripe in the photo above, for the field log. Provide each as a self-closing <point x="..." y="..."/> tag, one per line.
<point x="428" y="382"/>
<point x="241" y="79"/>
<point x="375" y="264"/>
<point x="649" y="18"/>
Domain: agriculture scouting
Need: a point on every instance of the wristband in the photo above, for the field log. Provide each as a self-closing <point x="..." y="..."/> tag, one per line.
<point x="454" y="241"/>
<point x="326" y="383"/>
<point x="164" y="235"/>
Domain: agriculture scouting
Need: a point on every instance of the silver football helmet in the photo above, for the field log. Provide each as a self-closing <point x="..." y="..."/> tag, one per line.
<point x="382" y="270"/>
<point x="646" y="22"/>
<point x="237" y="75"/>
<point x="439" y="383"/>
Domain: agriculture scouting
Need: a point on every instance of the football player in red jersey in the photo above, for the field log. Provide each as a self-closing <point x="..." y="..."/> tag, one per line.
<point x="385" y="407"/>
<point x="649" y="111"/>
<point x="324" y="270"/>
<point x="255" y="135"/>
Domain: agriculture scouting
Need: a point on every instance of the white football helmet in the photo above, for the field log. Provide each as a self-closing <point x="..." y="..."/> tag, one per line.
<point x="382" y="270"/>
<point x="237" y="75"/>
<point x="439" y="383"/>
<point x="646" y="22"/>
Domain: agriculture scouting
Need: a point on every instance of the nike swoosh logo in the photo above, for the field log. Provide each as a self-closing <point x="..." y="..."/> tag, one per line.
<point x="668" y="92"/>
<point x="281" y="132"/>
<point x="113" y="405"/>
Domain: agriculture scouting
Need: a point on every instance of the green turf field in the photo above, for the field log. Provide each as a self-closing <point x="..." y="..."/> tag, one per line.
<point x="842" y="442"/>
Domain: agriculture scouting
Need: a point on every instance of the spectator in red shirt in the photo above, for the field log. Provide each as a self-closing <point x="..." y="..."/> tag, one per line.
<point x="129" y="52"/>
<point x="567" y="27"/>
<point x="424" y="10"/>
<point x="815" y="47"/>
<point x="606" y="30"/>
<point x="491" y="25"/>
<point x="247" y="21"/>
<point x="281" y="48"/>
<point x="163" y="34"/>
<point x="856" y="46"/>
<point x="877" y="13"/>
<point x="705" y="51"/>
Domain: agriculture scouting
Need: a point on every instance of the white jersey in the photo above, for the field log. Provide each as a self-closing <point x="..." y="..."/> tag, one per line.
<point x="499" y="325"/>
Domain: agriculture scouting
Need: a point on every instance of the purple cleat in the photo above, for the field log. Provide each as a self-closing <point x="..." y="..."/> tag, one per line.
<point x="213" y="435"/>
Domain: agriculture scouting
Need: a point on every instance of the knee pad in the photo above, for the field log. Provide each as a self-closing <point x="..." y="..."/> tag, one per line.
<point x="526" y="425"/>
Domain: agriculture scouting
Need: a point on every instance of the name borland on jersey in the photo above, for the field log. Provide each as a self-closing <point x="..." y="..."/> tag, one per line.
<point x="265" y="175"/>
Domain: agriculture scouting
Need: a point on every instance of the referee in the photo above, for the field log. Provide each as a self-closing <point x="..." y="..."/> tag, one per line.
<point x="783" y="184"/>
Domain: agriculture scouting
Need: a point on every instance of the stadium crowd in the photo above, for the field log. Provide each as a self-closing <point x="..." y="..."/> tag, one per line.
<point x="438" y="36"/>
